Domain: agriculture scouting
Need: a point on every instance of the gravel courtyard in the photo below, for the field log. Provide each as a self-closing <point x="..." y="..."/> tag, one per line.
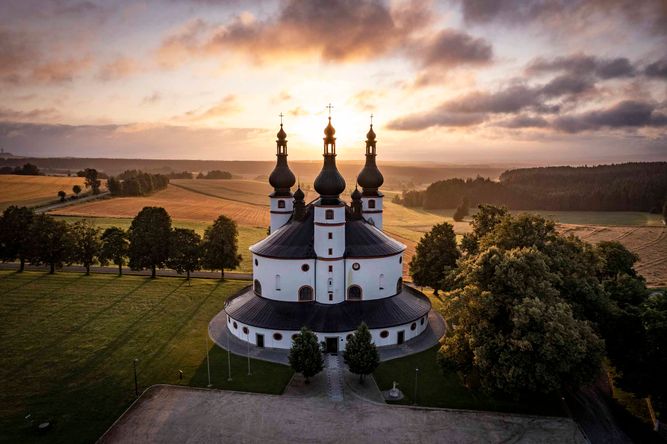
<point x="170" y="414"/>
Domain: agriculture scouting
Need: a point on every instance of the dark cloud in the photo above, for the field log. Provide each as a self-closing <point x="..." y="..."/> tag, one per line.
<point x="567" y="84"/>
<point x="563" y="14"/>
<point x="508" y="100"/>
<point x="522" y="121"/>
<point x="657" y="69"/>
<point x="436" y="117"/>
<point x="625" y="114"/>
<point x="584" y="65"/>
<point x="450" y="48"/>
<point x="335" y="30"/>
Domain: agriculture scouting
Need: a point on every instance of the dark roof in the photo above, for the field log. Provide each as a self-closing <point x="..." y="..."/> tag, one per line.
<point x="407" y="306"/>
<point x="295" y="240"/>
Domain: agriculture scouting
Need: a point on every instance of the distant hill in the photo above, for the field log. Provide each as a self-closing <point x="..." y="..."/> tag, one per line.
<point x="397" y="175"/>
<point x="620" y="187"/>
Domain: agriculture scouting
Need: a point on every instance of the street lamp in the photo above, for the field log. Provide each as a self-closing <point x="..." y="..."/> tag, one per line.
<point x="136" y="383"/>
<point x="414" y="400"/>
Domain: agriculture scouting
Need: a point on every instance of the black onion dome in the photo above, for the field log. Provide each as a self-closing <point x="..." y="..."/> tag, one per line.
<point x="329" y="131"/>
<point x="329" y="183"/>
<point x="356" y="194"/>
<point x="370" y="178"/>
<point x="370" y="135"/>
<point x="298" y="194"/>
<point x="282" y="135"/>
<point x="282" y="178"/>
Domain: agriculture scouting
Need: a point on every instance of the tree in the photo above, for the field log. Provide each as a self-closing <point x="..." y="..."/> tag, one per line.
<point x="50" y="242"/>
<point x="220" y="246"/>
<point x="62" y="195"/>
<point x="462" y="210"/>
<point x="435" y="257"/>
<point x="513" y="329"/>
<point x="15" y="234"/>
<point x="361" y="355"/>
<point x="185" y="251"/>
<point x="305" y="355"/>
<point x="76" y="189"/>
<point x="483" y="221"/>
<point x="28" y="170"/>
<point x="86" y="244"/>
<point x="149" y="239"/>
<point x="92" y="179"/>
<point x="115" y="247"/>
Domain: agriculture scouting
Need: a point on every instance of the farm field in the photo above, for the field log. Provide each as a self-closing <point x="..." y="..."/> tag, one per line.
<point x="34" y="190"/>
<point x="69" y="342"/>
<point x="194" y="203"/>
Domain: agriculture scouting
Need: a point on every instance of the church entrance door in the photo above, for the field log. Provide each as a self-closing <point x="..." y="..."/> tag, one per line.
<point x="400" y="337"/>
<point x="260" y="340"/>
<point x="332" y="345"/>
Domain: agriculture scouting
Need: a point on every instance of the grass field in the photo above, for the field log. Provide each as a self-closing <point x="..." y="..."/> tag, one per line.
<point x="436" y="390"/>
<point x="68" y="342"/>
<point x="34" y="190"/>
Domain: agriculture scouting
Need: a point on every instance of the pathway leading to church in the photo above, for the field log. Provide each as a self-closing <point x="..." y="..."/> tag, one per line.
<point x="334" y="372"/>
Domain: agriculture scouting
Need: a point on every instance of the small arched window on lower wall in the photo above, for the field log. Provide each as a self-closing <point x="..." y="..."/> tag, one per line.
<point x="354" y="293"/>
<point x="306" y="293"/>
<point x="258" y="288"/>
<point x="399" y="285"/>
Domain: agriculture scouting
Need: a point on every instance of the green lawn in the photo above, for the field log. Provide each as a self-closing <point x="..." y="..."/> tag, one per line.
<point x="68" y="342"/>
<point x="247" y="235"/>
<point x="437" y="390"/>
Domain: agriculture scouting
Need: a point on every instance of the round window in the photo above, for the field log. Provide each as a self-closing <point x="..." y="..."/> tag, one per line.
<point x="277" y="336"/>
<point x="413" y="326"/>
<point x="245" y="330"/>
<point x="356" y="266"/>
<point x="305" y="267"/>
<point x="235" y="326"/>
<point x="384" y="333"/>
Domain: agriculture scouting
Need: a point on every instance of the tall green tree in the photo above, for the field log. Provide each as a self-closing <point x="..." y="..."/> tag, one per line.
<point x="15" y="234"/>
<point x="305" y="355"/>
<point x="435" y="257"/>
<point x="483" y="221"/>
<point x="86" y="244"/>
<point x="220" y="245"/>
<point x="62" y="195"/>
<point x="185" y="251"/>
<point x="361" y="354"/>
<point x="115" y="247"/>
<point x="50" y="242"/>
<point x="149" y="236"/>
<point x="92" y="179"/>
<point x="76" y="189"/>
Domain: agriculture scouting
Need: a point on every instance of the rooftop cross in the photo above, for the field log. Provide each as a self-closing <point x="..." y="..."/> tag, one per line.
<point x="330" y="107"/>
<point x="371" y="119"/>
<point x="281" y="118"/>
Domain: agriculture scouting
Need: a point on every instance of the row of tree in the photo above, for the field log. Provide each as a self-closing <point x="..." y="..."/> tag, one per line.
<point x="624" y="187"/>
<point x="215" y="174"/>
<point x="136" y="183"/>
<point x="534" y="311"/>
<point x="360" y="355"/>
<point x="150" y="243"/>
<point x="27" y="169"/>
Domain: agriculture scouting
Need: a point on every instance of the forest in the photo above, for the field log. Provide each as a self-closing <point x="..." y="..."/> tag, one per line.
<point x="619" y="187"/>
<point x="136" y="183"/>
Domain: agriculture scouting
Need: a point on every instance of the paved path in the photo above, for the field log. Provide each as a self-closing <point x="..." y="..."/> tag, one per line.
<point x="68" y="203"/>
<point x="173" y="414"/>
<point x="114" y="270"/>
<point x="334" y="372"/>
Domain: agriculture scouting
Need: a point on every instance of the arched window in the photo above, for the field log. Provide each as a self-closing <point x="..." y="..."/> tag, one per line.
<point x="354" y="293"/>
<point x="258" y="288"/>
<point x="305" y="293"/>
<point x="399" y="285"/>
<point x="281" y="204"/>
<point x="329" y="214"/>
<point x="371" y="203"/>
<point x="277" y="282"/>
<point x="381" y="281"/>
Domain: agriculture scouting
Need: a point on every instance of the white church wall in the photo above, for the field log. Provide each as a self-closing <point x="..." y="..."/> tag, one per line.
<point x="280" y="216"/>
<point x="291" y="276"/>
<point x="330" y="281"/>
<point x="373" y="215"/>
<point x="369" y="273"/>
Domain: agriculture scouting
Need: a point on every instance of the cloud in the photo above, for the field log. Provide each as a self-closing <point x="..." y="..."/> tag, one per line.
<point x="333" y="30"/>
<point x="436" y="117"/>
<point x="450" y="48"/>
<point x="34" y="114"/>
<point x="119" y="68"/>
<point x="228" y="105"/>
<point x="61" y="70"/>
<point x="625" y="114"/>
<point x="298" y="111"/>
<point x="523" y="121"/>
<point x="584" y="65"/>
<point x="657" y="69"/>
<point x="152" y="98"/>
<point x="17" y="51"/>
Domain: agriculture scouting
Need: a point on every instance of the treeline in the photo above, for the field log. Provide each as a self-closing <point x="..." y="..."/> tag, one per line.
<point x="136" y="183"/>
<point x="27" y="169"/>
<point x="215" y="174"/>
<point x="623" y="187"/>
<point x="150" y="243"/>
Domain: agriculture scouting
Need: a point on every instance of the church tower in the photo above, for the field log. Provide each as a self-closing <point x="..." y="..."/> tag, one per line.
<point x="370" y="178"/>
<point x="282" y="180"/>
<point x="329" y="230"/>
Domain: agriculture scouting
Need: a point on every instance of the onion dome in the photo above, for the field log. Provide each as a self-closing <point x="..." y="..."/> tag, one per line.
<point x="329" y="183"/>
<point x="356" y="205"/>
<point x="329" y="131"/>
<point x="281" y="178"/>
<point x="356" y="194"/>
<point x="299" y="204"/>
<point x="370" y="178"/>
<point x="299" y="194"/>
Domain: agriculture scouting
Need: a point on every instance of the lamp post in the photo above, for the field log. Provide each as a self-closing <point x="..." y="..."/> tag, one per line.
<point x="136" y="382"/>
<point x="414" y="400"/>
<point x="208" y="361"/>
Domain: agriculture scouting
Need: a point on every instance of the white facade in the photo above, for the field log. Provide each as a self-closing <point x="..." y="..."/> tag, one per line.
<point x="371" y="210"/>
<point x="281" y="211"/>
<point x="282" y="279"/>
<point x="377" y="277"/>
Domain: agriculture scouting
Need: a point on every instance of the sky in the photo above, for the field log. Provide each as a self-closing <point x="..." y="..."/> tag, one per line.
<point x="477" y="82"/>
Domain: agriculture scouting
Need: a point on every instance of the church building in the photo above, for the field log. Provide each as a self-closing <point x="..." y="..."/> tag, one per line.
<point x="327" y="264"/>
